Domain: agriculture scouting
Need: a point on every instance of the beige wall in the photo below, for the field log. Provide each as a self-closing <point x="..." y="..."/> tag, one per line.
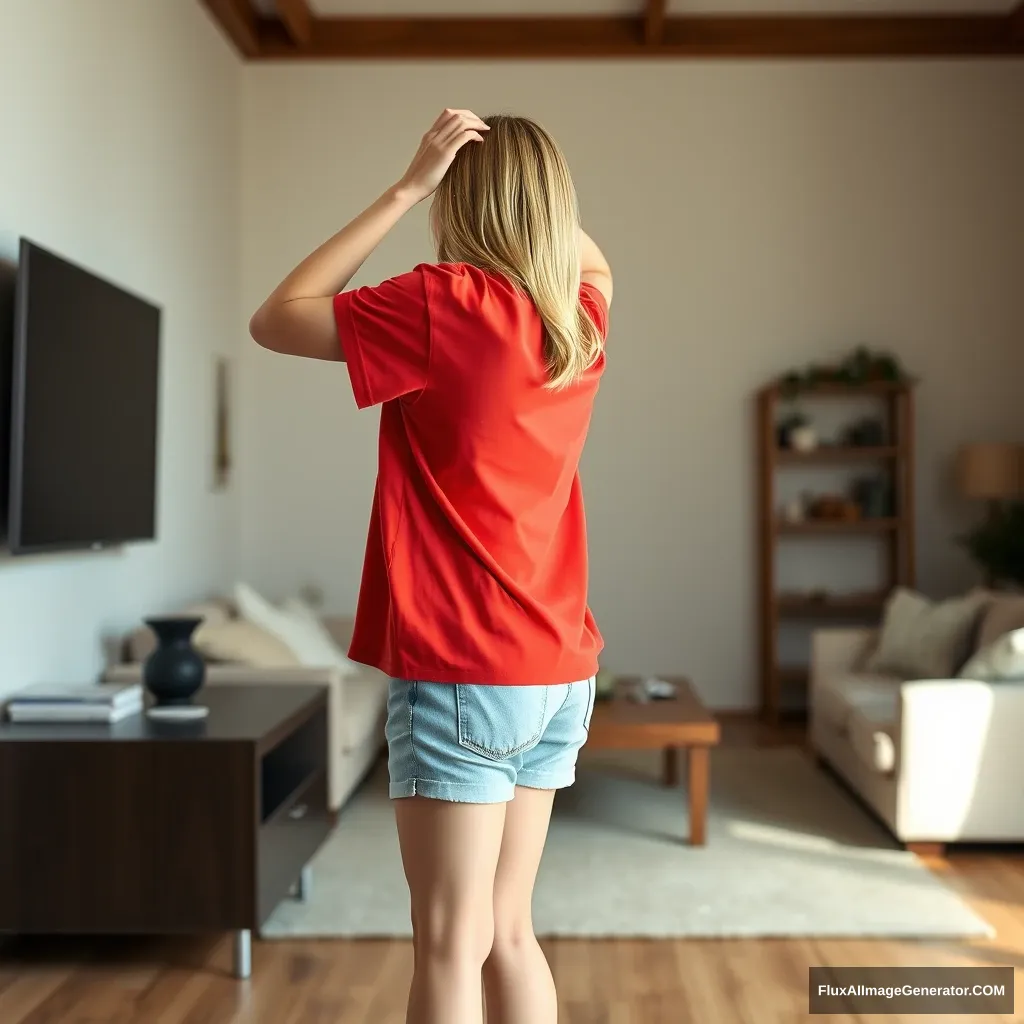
<point x="756" y="215"/>
<point x="118" y="132"/>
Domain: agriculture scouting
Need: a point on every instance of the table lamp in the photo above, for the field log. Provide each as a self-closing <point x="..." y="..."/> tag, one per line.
<point x="992" y="472"/>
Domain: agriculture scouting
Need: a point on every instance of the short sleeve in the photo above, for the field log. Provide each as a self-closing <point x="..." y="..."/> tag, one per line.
<point x="384" y="333"/>
<point x="596" y="306"/>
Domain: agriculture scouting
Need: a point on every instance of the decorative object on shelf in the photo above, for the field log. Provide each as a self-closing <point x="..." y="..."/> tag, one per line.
<point x="834" y="508"/>
<point x="861" y="367"/>
<point x="873" y="496"/>
<point x="795" y="425"/>
<point x="866" y="432"/>
<point x="794" y="511"/>
<point x="803" y="439"/>
<point x="175" y="671"/>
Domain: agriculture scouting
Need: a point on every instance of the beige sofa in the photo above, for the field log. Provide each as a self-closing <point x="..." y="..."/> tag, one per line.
<point x="357" y="704"/>
<point x="939" y="760"/>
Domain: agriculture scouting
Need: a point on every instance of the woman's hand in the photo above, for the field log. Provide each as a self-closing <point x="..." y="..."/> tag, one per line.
<point x="446" y="136"/>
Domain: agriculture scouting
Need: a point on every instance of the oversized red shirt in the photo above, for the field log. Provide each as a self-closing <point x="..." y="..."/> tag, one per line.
<point x="476" y="561"/>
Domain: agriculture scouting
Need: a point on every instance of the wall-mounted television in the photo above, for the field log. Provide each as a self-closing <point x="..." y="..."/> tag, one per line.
<point x="84" y="404"/>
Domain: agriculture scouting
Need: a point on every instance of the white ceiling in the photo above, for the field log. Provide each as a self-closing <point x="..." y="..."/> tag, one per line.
<point x="428" y="8"/>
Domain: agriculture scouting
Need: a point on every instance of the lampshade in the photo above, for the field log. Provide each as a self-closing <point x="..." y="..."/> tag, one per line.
<point x="989" y="472"/>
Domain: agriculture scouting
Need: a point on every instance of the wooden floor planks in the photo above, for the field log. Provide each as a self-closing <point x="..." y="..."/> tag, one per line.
<point x="122" y="981"/>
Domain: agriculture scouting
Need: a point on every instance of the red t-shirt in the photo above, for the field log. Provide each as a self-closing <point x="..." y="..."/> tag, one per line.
<point x="476" y="562"/>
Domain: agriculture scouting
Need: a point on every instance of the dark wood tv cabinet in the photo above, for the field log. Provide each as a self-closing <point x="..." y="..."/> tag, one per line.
<point x="156" y="828"/>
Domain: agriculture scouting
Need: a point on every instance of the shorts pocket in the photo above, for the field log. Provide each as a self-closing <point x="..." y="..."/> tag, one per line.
<point x="591" y="697"/>
<point x="500" y="721"/>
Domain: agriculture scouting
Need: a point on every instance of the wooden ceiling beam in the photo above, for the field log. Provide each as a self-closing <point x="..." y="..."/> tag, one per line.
<point x="1017" y="22"/>
<point x="297" y="20"/>
<point x="654" y="21"/>
<point x="696" y="36"/>
<point x="238" y="20"/>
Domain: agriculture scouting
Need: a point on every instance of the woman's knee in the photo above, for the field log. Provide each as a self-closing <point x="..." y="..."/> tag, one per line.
<point x="458" y="937"/>
<point x="513" y="931"/>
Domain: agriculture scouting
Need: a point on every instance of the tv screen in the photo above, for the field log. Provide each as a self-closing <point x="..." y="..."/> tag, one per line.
<point x="85" y="363"/>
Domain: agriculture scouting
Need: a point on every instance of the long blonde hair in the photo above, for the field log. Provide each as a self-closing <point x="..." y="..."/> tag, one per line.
<point x="508" y="204"/>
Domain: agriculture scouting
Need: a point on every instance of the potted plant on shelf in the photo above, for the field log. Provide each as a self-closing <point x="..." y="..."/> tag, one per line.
<point x="862" y="367"/>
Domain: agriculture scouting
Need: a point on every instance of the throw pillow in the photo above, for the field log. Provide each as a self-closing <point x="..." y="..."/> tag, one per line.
<point x="312" y="646"/>
<point x="1002" y="661"/>
<point x="1002" y="616"/>
<point x="304" y="611"/>
<point x="240" y="642"/>
<point x="923" y="639"/>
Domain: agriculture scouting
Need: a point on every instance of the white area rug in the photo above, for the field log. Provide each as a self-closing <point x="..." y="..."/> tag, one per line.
<point x="789" y="853"/>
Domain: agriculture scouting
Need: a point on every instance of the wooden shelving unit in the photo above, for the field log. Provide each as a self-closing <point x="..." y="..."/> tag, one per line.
<point x="838" y="455"/>
<point x="895" y="457"/>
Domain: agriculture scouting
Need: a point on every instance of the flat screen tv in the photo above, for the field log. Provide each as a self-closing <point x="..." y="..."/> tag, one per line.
<point x="84" y="397"/>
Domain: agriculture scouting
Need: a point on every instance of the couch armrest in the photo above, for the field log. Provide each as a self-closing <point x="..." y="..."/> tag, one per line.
<point x="301" y="675"/>
<point x="839" y="650"/>
<point x="960" y="760"/>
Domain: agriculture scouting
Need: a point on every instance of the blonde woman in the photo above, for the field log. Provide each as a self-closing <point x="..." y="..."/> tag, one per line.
<point x="474" y="589"/>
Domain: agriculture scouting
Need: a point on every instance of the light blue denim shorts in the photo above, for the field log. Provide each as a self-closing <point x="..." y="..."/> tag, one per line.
<point x="475" y="742"/>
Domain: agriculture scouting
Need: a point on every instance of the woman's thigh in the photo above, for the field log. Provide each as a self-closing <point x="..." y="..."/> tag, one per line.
<point x="450" y="854"/>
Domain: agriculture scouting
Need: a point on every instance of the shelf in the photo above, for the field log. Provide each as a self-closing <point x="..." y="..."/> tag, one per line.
<point x="830" y="604"/>
<point x="279" y="798"/>
<point x="836" y="453"/>
<point x="796" y="675"/>
<point x="828" y="389"/>
<point x="811" y="527"/>
<point x="783" y="606"/>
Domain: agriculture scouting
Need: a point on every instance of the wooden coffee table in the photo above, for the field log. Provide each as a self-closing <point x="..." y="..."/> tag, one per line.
<point x="681" y="722"/>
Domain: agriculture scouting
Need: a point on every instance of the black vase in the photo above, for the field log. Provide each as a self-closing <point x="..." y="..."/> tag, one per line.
<point x="175" y="671"/>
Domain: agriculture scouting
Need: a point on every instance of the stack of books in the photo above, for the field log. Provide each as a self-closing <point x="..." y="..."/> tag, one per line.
<point x="96" y="702"/>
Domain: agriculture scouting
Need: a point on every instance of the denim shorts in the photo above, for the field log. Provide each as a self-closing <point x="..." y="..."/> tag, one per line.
<point x="475" y="742"/>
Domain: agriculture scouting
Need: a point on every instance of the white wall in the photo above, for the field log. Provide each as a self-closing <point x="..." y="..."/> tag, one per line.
<point x="757" y="216"/>
<point x="119" y="143"/>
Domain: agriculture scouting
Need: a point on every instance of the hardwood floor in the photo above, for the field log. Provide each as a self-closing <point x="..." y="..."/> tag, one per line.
<point x="127" y="981"/>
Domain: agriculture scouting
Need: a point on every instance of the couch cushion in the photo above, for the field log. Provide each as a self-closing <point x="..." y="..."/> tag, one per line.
<point x="872" y="729"/>
<point x="846" y="692"/>
<point x="1002" y="616"/>
<point x="923" y="639"/>
<point x="296" y="626"/>
<point x="1000" y="661"/>
<point x="363" y="709"/>
<point x="239" y="642"/>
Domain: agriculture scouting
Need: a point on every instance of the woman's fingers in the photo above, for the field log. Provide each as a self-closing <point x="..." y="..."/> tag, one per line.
<point x="450" y="119"/>
<point x="456" y="127"/>
<point x="468" y="115"/>
<point x="437" y="149"/>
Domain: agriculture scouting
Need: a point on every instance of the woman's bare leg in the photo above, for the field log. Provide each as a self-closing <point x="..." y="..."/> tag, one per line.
<point x="517" y="980"/>
<point x="450" y="852"/>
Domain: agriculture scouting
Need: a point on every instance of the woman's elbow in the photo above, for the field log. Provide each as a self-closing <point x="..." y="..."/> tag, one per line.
<point x="261" y="327"/>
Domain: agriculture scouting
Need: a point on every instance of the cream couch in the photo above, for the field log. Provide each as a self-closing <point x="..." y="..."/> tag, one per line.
<point x="939" y="760"/>
<point x="357" y="704"/>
